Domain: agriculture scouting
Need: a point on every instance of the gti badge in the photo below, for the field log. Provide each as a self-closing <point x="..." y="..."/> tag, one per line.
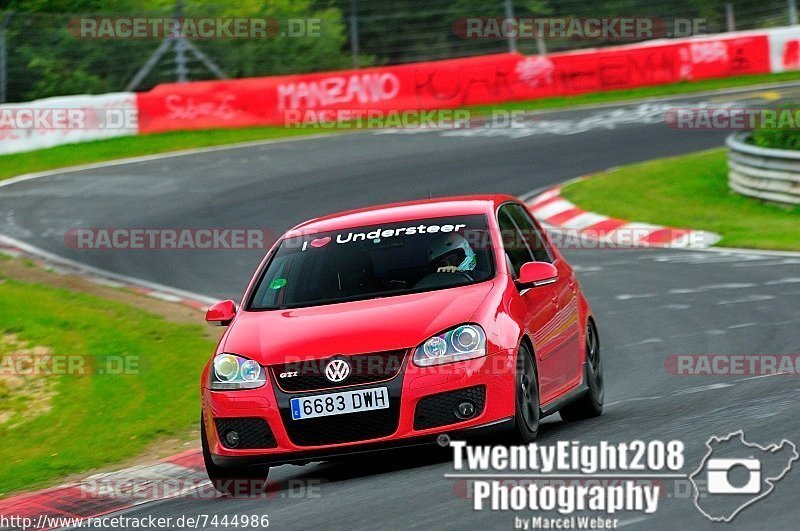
<point x="337" y="371"/>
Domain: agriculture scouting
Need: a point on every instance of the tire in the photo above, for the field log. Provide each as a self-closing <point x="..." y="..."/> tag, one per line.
<point x="233" y="481"/>
<point x="527" y="413"/>
<point x="591" y="403"/>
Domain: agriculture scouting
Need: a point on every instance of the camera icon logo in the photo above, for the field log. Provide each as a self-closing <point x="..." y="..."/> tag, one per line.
<point x="736" y="473"/>
<point x="719" y="476"/>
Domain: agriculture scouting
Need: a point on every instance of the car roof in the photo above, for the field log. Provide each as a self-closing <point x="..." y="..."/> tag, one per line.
<point x="406" y="211"/>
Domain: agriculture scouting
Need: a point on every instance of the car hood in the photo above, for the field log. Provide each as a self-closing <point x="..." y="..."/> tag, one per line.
<point x="358" y="327"/>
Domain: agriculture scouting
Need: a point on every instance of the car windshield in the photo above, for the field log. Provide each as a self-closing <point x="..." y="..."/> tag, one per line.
<point x="376" y="261"/>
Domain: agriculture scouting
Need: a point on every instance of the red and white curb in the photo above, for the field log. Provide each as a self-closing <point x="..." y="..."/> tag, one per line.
<point x="559" y="215"/>
<point x="181" y="475"/>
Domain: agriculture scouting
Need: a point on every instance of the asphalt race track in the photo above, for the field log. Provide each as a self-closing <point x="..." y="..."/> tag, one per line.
<point x="649" y="304"/>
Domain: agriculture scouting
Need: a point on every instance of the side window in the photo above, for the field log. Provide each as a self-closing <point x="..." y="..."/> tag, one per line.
<point x="514" y="244"/>
<point x="533" y="237"/>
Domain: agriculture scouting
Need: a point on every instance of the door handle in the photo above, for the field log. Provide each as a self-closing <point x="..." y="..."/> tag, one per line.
<point x="554" y="300"/>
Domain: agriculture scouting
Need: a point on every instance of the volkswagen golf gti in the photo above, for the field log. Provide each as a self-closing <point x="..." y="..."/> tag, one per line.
<point x="390" y="326"/>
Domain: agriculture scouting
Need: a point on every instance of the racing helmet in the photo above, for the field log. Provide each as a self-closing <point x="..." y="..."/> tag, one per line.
<point x="454" y="250"/>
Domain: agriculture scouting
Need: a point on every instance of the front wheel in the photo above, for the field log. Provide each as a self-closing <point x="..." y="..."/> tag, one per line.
<point x="233" y="481"/>
<point x="526" y="424"/>
<point x="591" y="403"/>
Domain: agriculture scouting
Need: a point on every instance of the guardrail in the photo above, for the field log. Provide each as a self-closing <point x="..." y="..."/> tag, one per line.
<point x="768" y="174"/>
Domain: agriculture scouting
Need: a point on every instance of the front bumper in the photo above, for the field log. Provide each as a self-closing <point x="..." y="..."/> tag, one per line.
<point x="412" y="418"/>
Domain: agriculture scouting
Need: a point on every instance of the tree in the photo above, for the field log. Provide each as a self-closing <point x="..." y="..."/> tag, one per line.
<point x="48" y="57"/>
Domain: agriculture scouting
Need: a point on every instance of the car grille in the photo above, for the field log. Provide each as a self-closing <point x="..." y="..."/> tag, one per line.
<point x="253" y="432"/>
<point x="364" y="369"/>
<point x="343" y="428"/>
<point x="440" y="410"/>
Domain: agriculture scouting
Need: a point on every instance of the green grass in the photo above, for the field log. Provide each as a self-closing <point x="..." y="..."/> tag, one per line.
<point x="779" y="135"/>
<point x="116" y="148"/>
<point x="133" y="146"/>
<point x="96" y="419"/>
<point x="689" y="191"/>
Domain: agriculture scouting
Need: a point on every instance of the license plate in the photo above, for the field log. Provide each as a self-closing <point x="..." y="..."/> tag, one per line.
<point x="309" y="407"/>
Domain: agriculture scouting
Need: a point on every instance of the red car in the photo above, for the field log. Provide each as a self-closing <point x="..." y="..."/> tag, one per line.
<point x="389" y="326"/>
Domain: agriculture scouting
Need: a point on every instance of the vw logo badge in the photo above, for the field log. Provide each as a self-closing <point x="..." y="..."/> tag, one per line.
<point x="337" y="371"/>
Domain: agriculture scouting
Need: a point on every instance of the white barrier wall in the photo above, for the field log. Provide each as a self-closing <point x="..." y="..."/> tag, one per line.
<point x="784" y="49"/>
<point x="66" y="120"/>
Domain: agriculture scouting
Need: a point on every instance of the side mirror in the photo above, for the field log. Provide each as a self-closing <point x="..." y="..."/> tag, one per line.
<point x="221" y="313"/>
<point x="537" y="274"/>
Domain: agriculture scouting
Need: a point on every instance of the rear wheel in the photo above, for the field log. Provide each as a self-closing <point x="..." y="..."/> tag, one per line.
<point x="591" y="403"/>
<point x="527" y="392"/>
<point x="233" y="481"/>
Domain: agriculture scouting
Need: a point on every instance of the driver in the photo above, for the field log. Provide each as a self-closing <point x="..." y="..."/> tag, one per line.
<point x="451" y="253"/>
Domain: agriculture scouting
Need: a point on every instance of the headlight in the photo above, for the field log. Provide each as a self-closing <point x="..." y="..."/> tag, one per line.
<point x="235" y="372"/>
<point x="464" y="342"/>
